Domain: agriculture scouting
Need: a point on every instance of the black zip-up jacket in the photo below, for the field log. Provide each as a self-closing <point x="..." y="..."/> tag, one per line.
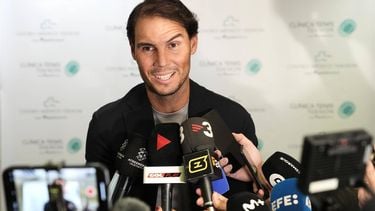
<point x="111" y="124"/>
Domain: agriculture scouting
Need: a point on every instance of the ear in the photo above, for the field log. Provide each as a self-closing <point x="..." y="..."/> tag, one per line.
<point x="132" y="50"/>
<point x="194" y="44"/>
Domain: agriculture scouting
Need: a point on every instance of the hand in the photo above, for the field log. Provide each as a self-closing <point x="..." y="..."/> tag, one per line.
<point x="219" y="201"/>
<point x="255" y="158"/>
<point x="243" y="173"/>
<point x="159" y="208"/>
<point x="224" y="162"/>
<point x="363" y="195"/>
<point x="248" y="146"/>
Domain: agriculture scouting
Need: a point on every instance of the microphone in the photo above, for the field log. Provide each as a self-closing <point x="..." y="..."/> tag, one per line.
<point x="246" y="201"/>
<point x="286" y="196"/>
<point x="163" y="175"/>
<point x="369" y="206"/>
<point x="197" y="142"/>
<point x="130" y="204"/>
<point x="280" y="166"/>
<point x="130" y="161"/>
<point x="164" y="149"/>
<point x="224" y="140"/>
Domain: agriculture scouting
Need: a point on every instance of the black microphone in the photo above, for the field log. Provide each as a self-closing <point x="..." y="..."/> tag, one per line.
<point x="246" y="201"/>
<point x="130" y="161"/>
<point x="369" y="206"/>
<point x="280" y="166"/>
<point x="130" y="204"/>
<point x="224" y="140"/>
<point x="164" y="149"/>
<point x="197" y="142"/>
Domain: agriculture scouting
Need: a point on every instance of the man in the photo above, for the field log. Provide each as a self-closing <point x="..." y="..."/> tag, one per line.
<point x="56" y="197"/>
<point x="163" y="37"/>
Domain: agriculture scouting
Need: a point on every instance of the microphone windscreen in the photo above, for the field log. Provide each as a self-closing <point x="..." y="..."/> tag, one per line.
<point x="130" y="204"/>
<point x="196" y="134"/>
<point x="280" y="166"/>
<point x="245" y="201"/>
<point x="164" y="148"/>
<point x="286" y="196"/>
<point x="132" y="156"/>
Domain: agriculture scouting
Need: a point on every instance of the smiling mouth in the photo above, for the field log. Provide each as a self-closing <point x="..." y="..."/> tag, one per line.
<point x="164" y="77"/>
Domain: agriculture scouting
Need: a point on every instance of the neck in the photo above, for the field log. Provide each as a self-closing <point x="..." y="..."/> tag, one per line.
<point x="170" y="103"/>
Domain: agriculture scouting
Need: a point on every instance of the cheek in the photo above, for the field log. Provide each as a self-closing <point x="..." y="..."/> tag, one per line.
<point x="183" y="59"/>
<point x="144" y="62"/>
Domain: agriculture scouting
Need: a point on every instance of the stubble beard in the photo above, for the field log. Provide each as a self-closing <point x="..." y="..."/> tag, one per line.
<point x="151" y="88"/>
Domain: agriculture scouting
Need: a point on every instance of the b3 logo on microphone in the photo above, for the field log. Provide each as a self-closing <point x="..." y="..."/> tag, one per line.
<point x="206" y="127"/>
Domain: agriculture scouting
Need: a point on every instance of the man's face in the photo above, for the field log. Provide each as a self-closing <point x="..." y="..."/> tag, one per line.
<point x="162" y="49"/>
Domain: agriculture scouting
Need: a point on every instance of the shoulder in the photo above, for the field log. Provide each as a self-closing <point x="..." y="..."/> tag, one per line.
<point x="202" y="96"/>
<point x="132" y="99"/>
<point x="236" y="117"/>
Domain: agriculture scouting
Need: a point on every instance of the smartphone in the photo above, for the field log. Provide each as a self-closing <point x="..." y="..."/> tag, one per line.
<point x="34" y="188"/>
<point x="253" y="171"/>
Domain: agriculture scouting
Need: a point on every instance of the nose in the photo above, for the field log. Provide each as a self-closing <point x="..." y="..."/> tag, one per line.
<point x="161" y="58"/>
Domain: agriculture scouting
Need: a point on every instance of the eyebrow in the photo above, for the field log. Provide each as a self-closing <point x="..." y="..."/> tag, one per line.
<point x="145" y="43"/>
<point x="174" y="37"/>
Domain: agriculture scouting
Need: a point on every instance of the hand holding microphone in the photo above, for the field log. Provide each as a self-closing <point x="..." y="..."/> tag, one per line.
<point x="197" y="142"/>
<point x="252" y="170"/>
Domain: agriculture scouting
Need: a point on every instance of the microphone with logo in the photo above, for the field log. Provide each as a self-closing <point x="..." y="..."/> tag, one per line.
<point x="130" y="161"/>
<point x="246" y="201"/>
<point x="197" y="142"/>
<point x="280" y="166"/>
<point x="165" y="157"/>
<point x="286" y="196"/>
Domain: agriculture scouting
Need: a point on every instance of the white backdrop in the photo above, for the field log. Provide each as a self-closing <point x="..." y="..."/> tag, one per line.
<point x="298" y="66"/>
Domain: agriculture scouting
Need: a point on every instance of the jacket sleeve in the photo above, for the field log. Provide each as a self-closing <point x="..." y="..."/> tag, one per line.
<point x="97" y="147"/>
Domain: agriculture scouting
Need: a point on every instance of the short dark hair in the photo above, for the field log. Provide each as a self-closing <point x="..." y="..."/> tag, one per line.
<point x="173" y="10"/>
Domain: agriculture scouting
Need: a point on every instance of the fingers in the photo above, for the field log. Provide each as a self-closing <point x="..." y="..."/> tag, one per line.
<point x="370" y="176"/>
<point x="241" y="175"/>
<point x="224" y="162"/>
<point x="199" y="201"/>
<point x="220" y="202"/>
<point x="260" y="193"/>
<point x="198" y="191"/>
<point x="240" y="138"/>
<point x="219" y="154"/>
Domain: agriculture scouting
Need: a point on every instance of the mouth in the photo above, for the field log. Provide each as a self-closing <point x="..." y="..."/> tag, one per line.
<point x="164" y="76"/>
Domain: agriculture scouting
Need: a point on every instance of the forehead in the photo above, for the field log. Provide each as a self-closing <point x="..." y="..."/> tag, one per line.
<point x="157" y="26"/>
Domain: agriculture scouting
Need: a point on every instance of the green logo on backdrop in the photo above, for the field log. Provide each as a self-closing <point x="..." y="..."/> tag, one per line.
<point x="260" y="144"/>
<point x="74" y="145"/>
<point x="346" y="109"/>
<point x="347" y="27"/>
<point x="253" y="66"/>
<point x="72" y="68"/>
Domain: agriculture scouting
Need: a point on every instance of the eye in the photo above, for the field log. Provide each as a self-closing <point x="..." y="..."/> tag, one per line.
<point x="147" y="48"/>
<point x="173" y="45"/>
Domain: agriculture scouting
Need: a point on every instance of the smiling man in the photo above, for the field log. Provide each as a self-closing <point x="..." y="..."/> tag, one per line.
<point x="163" y="35"/>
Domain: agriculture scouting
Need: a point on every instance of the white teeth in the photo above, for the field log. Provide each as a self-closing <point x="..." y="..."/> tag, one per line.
<point x="164" y="77"/>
